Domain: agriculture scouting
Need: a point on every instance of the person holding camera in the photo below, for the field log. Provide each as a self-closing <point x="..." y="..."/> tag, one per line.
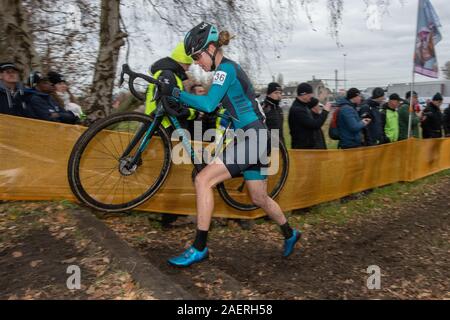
<point x="432" y="119"/>
<point x="349" y="123"/>
<point x="370" y="109"/>
<point x="306" y="119"/>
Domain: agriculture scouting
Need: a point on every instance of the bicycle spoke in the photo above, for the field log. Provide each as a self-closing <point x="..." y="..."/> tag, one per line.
<point x="108" y="154"/>
<point x="120" y="139"/>
<point x="114" y="145"/>
<point x="104" y="180"/>
<point x="115" y="188"/>
<point x="96" y="175"/>
<point x="106" y="148"/>
<point x="139" y="182"/>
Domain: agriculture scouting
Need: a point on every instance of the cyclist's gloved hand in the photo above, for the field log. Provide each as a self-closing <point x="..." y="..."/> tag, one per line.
<point x="168" y="89"/>
<point x="182" y="111"/>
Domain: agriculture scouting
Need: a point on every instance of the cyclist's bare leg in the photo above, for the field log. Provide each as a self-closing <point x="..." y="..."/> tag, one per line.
<point x="259" y="196"/>
<point x="206" y="180"/>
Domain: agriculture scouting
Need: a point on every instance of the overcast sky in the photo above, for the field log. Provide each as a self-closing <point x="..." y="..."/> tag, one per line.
<point x="374" y="57"/>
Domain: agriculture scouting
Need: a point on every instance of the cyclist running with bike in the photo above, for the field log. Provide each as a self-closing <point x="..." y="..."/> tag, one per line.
<point x="231" y="87"/>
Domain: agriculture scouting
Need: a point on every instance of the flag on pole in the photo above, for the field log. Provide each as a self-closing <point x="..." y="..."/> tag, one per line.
<point x="427" y="37"/>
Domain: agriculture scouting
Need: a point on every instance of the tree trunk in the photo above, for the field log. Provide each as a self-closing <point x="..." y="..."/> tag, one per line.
<point x="16" y="43"/>
<point x="111" y="40"/>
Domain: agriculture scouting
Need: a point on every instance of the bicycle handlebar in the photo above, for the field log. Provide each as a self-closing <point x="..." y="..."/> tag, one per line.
<point x="132" y="77"/>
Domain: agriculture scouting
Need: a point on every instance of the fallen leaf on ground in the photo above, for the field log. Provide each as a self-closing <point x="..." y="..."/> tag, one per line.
<point x="35" y="263"/>
<point x="71" y="260"/>
<point x="17" y="254"/>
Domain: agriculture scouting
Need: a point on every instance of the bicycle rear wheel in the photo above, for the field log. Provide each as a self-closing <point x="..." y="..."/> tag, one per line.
<point x="234" y="191"/>
<point x="99" y="173"/>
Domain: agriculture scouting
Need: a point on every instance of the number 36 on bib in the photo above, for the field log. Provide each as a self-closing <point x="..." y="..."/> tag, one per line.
<point x="219" y="77"/>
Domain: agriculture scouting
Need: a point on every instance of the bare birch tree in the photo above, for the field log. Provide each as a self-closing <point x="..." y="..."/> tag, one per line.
<point x="16" y="41"/>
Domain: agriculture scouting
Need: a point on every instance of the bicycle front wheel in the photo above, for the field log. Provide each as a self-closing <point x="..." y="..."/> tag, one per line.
<point x="99" y="172"/>
<point x="235" y="193"/>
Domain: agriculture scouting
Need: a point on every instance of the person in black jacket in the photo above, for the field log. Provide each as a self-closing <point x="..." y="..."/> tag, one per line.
<point x="43" y="105"/>
<point x="317" y="111"/>
<point x="14" y="97"/>
<point x="370" y="109"/>
<point x="432" y="119"/>
<point x="446" y="122"/>
<point x="272" y="109"/>
<point x="305" y="121"/>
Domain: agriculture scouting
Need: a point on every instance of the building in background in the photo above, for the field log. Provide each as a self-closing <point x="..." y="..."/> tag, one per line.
<point x="321" y="91"/>
<point x="425" y="90"/>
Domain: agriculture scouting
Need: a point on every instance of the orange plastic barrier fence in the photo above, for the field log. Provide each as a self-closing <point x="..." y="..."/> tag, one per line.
<point x="34" y="156"/>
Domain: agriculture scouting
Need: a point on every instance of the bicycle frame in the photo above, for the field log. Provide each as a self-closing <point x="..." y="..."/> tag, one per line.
<point x="146" y="133"/>
<point x="160" y="113"/>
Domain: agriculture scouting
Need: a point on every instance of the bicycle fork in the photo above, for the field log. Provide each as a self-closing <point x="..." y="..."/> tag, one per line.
<point x="128" y="164"/>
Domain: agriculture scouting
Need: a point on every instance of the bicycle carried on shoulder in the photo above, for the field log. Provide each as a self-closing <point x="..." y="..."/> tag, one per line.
<point x="121" y="161"/>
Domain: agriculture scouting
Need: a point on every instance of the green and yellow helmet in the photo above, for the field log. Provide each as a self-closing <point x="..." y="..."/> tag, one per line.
<point x="180" y="56"/>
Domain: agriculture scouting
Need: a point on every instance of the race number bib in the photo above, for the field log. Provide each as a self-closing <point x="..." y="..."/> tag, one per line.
<point x="219" y="78"/>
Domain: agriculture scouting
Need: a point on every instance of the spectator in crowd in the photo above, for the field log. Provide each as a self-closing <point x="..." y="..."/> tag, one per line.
<point x="171" y="70"/>
<point x="63" y="96"/>
<point x="272" y="109"/>
<point x="349" y="123"/>
<point x="389" y="119"/>
<point x="43" y="105"/>
<point x="446" y="121"/>
<point x="306" y="119"/>
<point x="432" y="119"/>
<point x="403" y="117"/>
<point x="14" y="98"/>
<point x="373" y="133"/>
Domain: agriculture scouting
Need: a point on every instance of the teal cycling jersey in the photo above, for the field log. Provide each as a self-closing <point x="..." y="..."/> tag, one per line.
<point x="231" y="87"/>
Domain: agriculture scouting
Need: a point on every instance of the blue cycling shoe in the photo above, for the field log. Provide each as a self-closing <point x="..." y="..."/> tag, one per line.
<point x="190" y="256"/>
<point x="289" y="244"/>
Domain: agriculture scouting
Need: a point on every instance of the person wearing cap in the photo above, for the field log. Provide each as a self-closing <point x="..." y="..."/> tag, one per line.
<point x="373" y="133"/>
<point x="43" y="105"/>
<point x="389" y="118"/>
<point x="306" y="119"/>
<point x="63" y="96"/>
<point x="349" y="123"/>
<point x="432" y="119"/>
<point x="171" y="70"/>
<point x="14" y="97"/>
<point x="403" y="117"/>
<point x="272" y="109"/>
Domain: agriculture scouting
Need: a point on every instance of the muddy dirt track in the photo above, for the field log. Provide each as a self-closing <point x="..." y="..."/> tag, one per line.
<point x="409" y="241"/>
